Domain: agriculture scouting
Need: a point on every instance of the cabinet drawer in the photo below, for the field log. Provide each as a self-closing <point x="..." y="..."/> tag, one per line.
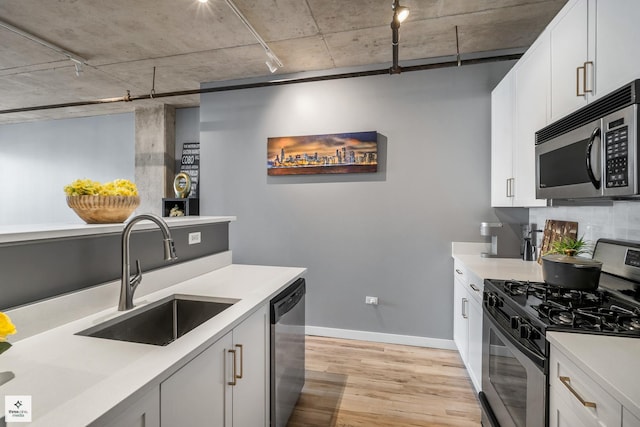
<point x="472" y="283"/>
<point x="572" y="389"/>
<point x="460" y="271"/>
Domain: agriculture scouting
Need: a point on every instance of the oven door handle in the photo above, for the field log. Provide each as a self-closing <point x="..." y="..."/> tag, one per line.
<point x="532" y="355"/>
<point x="596" y="133"/>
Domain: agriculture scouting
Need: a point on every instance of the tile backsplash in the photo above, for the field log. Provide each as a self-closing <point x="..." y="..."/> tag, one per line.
<point x="619" y="221"/>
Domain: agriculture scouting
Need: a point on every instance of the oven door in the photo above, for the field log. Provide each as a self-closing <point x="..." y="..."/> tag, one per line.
<point x="513" y="381"/>
<point x="570" y="165"/>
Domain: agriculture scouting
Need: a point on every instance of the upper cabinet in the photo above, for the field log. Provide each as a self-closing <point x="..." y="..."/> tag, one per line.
<point x="518" y="109"/>
<point x="592" y="45"/>
<point x="502" y="119"/>
<point x="586" y="52"/>
<point x="571" y="65"/>
<point x="617" y="36"/>
<point x="532" y="89"/>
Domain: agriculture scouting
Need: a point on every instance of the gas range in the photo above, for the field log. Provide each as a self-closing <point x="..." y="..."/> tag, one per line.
<point x="527" y="310"/>
<point x="531" y="309"/>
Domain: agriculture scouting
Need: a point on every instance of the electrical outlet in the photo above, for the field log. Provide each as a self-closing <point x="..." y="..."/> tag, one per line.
<point x="371" y="300"/>
<point x="195" y="238"/>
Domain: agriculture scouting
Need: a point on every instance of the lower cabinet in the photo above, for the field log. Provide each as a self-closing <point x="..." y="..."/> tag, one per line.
<point x="225" y="385"/>
<point x="575" y="399"/>
<point x="143" y="412"/>
<point x="467" y="321"/>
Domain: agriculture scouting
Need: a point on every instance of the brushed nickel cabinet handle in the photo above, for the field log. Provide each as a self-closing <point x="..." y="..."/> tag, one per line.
<point x="474" y="287"/>
<point x="584" y="81"/>
<point x="464" y="302"/>
<point x="508" y="186"/>
<point x="566" y="381"/>
<point x="511" y="185"/>
<point x="234" y="381"/>
<point x="458" y="271"/>
<point x="578" y="80"/>
<point x="241" y="360"/>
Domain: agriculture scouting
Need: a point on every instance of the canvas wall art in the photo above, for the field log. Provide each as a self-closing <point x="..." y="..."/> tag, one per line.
<point x="355" y="152"/>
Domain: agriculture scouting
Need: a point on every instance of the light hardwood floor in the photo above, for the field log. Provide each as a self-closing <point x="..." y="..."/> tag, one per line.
<point x="363" y="384"/>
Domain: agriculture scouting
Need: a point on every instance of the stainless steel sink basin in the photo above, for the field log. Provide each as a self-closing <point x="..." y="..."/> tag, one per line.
<point x="161" y="322"/>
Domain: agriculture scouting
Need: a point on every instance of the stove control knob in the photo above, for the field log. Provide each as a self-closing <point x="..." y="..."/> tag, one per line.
<point x="528" y="332"/>
<point x="493" y="301"/>
<point x="515" y="322"/>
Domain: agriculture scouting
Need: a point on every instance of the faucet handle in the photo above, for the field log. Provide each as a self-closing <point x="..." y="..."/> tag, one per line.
<point x="135" y="280"/>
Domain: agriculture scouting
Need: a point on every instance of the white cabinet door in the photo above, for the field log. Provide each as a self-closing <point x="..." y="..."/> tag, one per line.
<point x="569" y="56"/>
<point x="197" y="395"/>
<point x="475" y="343"/>
<point x="532" y="98"/>
<point x="460" y="319"/>
<point x="225" y="385"/>
<point x="250" y="394"/>
<point x="617" y="36"/>
<point x="628" y="419"/>
<point x="502" y="140"/>
<point x="144" y="412"/>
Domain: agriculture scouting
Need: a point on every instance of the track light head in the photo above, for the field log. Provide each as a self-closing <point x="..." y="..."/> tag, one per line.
<point x="400" y="13"/>
<point x="272" y="67"/>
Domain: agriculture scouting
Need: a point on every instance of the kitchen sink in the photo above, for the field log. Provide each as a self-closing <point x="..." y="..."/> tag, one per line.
<point x="161" y="322"/>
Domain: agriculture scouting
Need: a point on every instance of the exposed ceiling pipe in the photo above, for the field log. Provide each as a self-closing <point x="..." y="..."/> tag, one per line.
<point x="280" y="82"/>
<point x="77" y="60"/>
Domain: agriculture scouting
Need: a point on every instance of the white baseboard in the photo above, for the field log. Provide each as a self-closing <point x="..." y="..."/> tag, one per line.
<point x="381" y="337"/>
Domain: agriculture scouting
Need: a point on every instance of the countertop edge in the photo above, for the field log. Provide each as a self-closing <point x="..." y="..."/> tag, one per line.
<point x="24" y="233"/>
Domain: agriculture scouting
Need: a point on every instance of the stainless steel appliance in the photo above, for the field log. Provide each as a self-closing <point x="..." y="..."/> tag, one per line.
<point x="517" y="315"/>
<point x="287" y="351"/>
<point x="593" y="152"/>
<point x="504" y="239"/>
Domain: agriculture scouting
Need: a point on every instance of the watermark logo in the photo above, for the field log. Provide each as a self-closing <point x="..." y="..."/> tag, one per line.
<point x="17" y="409"/>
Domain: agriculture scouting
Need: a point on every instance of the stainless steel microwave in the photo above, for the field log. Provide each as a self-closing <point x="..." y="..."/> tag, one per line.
<point x="593" y="152"/>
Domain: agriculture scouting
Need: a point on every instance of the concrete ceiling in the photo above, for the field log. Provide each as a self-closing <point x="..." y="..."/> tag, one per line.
<point x="189" y="42"/>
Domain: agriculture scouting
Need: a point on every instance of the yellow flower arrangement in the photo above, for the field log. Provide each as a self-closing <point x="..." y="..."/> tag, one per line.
<point x="6" y="328"/>
<point x="87" y="187"/>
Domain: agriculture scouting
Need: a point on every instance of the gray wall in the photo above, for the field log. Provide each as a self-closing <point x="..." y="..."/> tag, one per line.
<point x="38" y="159"/>
<point x="386" y="234"/>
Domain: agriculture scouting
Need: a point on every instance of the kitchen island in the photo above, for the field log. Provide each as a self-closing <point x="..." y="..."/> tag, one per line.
<point x="77" y="380"/>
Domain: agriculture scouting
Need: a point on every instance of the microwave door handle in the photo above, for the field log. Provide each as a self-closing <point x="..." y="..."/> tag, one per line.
<point x="596" y="133"/>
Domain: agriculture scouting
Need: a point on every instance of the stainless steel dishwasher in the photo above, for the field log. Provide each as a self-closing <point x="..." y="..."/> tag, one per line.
<point x="287" y="351"/>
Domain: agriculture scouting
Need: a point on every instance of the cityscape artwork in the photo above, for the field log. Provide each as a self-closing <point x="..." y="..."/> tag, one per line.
<point x="355" y="152"/>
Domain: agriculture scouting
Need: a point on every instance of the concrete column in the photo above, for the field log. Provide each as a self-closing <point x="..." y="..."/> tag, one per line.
<point x="155" y="156"/>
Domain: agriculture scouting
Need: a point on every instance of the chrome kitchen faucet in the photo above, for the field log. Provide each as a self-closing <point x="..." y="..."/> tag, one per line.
<point x="129" y="284"/>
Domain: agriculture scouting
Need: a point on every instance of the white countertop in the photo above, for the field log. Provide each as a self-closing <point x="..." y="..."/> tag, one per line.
<point x="501" y="268"/>
<point x="610" y="361"/>
<point x="75" y="379"/>
<point x="21" y="233"/>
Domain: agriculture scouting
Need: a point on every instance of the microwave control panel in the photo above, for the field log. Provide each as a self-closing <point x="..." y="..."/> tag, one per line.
<point x="617" y="153"/>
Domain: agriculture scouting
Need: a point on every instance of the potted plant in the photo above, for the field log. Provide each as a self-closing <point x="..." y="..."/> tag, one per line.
<point x="562" y="266"/>
<point x="570" y="247"/>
